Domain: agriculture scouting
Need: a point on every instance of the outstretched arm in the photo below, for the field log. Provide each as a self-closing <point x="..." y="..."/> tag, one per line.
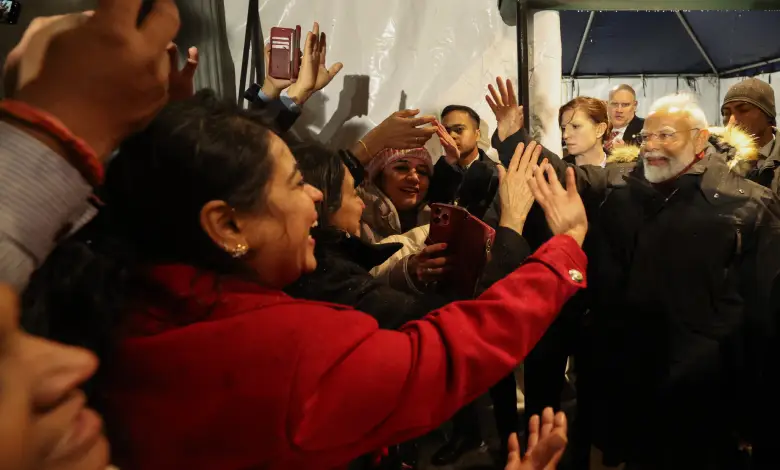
<point x="510" y="133"/>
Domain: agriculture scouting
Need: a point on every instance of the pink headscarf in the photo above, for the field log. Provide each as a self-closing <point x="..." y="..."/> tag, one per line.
<point x="387" y="157"/>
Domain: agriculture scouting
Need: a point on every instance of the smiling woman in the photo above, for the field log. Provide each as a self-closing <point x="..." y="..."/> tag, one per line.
<point x="209" y="364"/>
<point x="396" y="192"/>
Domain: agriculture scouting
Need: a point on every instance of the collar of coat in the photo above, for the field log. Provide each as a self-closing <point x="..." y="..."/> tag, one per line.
<point x="380" y="218"/>
<point x="335" y="243"/>
<point x="738" y="147"/>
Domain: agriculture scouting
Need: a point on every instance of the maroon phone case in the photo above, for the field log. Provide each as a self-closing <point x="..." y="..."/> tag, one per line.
<point x="284" y="61"/>
<point x="469" y="241"/>
<point x="297" y="54"/>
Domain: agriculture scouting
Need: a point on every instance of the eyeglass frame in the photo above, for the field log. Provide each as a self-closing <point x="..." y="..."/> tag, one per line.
<point x="644" y="138"/>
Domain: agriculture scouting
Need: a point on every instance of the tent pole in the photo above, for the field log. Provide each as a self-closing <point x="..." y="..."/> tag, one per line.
<point x="522" y="60"/>
<point x="582" y="43"/>
<point x="751" y="66"/>
<point x="719" y="100"/>
<point x="647" y="75"/>
<point x="696" y="41"/>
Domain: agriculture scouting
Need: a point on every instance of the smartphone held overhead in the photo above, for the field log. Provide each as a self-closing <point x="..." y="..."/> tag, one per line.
<point x="285" y="57"/>
<point x="9" y="11"/>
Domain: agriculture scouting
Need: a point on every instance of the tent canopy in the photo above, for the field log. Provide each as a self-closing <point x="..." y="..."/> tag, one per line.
<point x="724" y="43"/>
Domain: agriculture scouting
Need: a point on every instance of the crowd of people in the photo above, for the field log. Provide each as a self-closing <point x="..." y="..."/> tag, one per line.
<point x="189" y="285"/>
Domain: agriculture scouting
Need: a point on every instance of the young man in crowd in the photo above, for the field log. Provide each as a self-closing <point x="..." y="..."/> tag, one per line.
<point x="464" y="175"/>
<point x="750" y="104"/>
<point x="622" y="112"/>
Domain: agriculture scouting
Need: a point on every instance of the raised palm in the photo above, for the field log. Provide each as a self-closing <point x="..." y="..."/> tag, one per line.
<point x="503" y="102"/>
<point x="181" y="83"/>
<point x="451" y="152"/>
<point x="546" y="442"/>
<point x="563" y="207"/>
<point x="314" y="75"/>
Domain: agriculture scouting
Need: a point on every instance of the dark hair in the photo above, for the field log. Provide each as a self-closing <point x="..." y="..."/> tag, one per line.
<point x="193" y="152"/>
<point x="323" y="169"/>
<point x="594" y="108"/>
<point x="457" y="107"/>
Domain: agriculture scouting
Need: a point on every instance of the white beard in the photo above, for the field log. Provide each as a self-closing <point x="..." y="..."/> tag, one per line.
<point x="659" y="174"/>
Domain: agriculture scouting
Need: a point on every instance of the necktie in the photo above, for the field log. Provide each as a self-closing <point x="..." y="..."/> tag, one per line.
<point x="612" y="136"/>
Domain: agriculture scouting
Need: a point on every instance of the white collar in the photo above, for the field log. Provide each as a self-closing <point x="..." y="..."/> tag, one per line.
<point x="767" y="149"/>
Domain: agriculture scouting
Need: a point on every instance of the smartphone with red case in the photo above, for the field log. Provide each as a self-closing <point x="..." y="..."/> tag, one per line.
<point x="469" y="241"/>
<point x="284" y="62"/>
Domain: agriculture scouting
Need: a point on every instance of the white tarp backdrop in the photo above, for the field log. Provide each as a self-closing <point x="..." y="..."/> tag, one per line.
<point x="437" y="52"/>
<point x="544" y="70"/>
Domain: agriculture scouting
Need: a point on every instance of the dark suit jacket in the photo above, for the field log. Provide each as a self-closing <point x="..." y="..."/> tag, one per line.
<point x="631" y="136"/>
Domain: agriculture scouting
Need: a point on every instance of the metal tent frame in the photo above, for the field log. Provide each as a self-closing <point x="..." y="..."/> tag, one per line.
<point x="715" y="72"/>
<point x="524" y="9"/>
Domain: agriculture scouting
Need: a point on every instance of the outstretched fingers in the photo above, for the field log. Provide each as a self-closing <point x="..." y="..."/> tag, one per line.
<point x="511" y="92"/>
<point x="514" y="163"/>
<point x="552" y="177"/>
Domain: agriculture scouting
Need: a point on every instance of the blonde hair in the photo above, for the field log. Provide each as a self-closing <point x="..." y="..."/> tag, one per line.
<point x="681" y="102"/>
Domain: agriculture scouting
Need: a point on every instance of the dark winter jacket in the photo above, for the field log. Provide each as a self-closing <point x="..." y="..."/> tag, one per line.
<point x="680" y="324"/>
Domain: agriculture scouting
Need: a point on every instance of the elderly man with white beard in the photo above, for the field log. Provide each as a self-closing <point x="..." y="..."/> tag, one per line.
<point x="683" y="259"/>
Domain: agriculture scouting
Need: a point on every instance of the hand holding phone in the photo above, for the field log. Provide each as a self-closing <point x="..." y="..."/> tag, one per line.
<point x="313" y="75"/>
<point x="431" y="264"/>
<point x="284" y="59"/>
<point x="469" y="242"/>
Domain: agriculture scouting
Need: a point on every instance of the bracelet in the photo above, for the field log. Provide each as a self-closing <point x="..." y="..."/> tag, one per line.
<point x="409" y="281"/>
<point x="79" y="154"/>
<point x="368" y="152"/>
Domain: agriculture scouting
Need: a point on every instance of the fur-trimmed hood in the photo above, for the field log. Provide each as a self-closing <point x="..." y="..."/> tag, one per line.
<point x="734" y="143"/>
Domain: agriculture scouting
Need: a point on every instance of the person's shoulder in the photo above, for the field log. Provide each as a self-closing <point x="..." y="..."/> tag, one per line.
<point x="617" y="171"/>
<point x="486" y="159"/>
<point x="621" y="161"/>
<point x="753" y="199"/>
<point x="635" y="126"/>
<point x="259" y="315"/>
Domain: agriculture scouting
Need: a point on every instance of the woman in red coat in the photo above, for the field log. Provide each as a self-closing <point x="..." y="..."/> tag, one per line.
<point x="207" y="219"/>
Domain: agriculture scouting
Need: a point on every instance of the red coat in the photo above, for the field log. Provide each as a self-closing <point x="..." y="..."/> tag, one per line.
<point x="252" y="378"/>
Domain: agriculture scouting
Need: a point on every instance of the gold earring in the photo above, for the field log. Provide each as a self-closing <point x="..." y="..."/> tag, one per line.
<point x="237" y="252"/>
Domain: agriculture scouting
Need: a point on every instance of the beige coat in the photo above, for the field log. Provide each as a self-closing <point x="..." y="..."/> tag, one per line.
<point x="380" y="217"/>
<point x="381" y="224"/>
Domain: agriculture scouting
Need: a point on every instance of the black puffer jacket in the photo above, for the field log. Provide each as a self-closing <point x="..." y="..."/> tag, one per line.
<point x="682" y="310"/>
<point x="342" y="277"/>
<point x="767" y="169"/>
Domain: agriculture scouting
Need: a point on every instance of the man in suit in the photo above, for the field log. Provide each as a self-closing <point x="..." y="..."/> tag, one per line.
<point x="622" y="112"/>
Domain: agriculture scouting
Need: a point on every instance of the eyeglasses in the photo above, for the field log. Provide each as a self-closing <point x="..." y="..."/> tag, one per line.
<point x="663" y="137"/>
